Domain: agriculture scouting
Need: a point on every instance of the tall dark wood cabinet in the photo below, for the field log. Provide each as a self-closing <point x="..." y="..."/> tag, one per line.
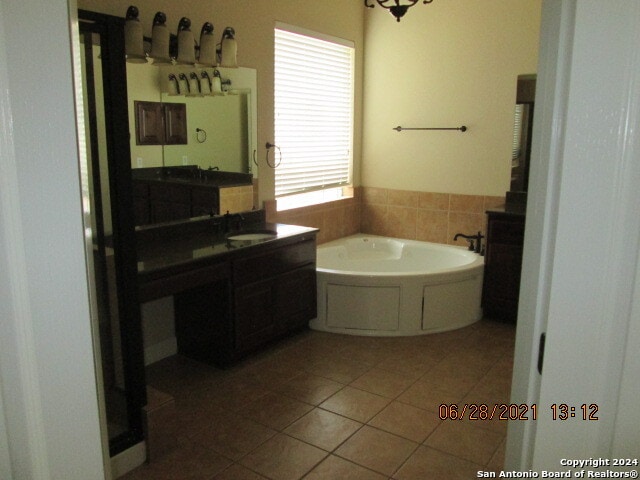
<point x="505" y="226"/>
<point x="503" y="263"/>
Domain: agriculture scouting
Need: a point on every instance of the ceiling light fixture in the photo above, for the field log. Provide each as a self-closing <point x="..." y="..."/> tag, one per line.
<point x="397" y="7"/>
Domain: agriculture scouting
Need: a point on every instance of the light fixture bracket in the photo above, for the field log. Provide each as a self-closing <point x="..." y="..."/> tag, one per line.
<point x="397" y="8"/>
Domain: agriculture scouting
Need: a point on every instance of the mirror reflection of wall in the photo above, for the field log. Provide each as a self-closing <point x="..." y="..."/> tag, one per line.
<point x="221" y="129"/>
<point x="222" y="140"/>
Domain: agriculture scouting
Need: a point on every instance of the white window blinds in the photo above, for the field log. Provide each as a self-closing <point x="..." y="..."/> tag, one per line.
<point x="313" y="112"/>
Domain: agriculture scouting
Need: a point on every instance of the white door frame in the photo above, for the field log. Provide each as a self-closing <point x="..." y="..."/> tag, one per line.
<point x="50" y="424"/>
<point x="582" y="237"/>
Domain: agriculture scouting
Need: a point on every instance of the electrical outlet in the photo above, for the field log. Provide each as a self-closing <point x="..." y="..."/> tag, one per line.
<point x="185" y="160"/>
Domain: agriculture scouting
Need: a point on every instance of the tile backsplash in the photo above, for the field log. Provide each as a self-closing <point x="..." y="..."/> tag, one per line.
<point x="335" y="219"/>
<point x="426" y="216"/>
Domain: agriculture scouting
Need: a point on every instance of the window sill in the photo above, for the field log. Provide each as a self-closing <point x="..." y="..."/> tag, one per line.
<point x="313" y="198"/>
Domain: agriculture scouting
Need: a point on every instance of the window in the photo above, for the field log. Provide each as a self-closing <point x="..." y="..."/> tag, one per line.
<point x="313" y="113"/>
<point x="516" y="145"/>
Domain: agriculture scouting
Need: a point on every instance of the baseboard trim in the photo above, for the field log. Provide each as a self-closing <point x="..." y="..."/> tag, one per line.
<point x="129" y="459"/>
<point x="158" y="351"/>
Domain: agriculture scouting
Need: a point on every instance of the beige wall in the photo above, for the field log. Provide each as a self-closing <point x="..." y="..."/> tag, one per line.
<point x="447" y="64"/>
<point x="254" y="21"/>
<point x="425" y="216"/>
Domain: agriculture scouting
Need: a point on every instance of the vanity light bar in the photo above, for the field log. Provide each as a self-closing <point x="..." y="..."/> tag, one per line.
<point x="194" y="82"/>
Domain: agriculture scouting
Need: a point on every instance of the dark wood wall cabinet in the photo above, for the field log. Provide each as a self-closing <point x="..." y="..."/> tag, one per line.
<point x="161" y="123"/>
<point x="503" y="262"/>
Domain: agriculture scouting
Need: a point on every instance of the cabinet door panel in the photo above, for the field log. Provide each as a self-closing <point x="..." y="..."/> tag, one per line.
<point x="175" y="119"/>
<point x="503" y="262"/>
<point x="203" y="324"/>
<point x="254" y="321"/>
<point x="149" y="123"/>
<point x="295" y="298"/>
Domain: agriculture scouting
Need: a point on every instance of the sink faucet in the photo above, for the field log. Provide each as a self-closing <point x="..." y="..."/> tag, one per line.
<point x="228" y="217"/>
<point x="475" y="242"/>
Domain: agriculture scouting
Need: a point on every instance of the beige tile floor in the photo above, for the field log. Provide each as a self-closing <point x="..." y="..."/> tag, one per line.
<point x="327" y="406"/>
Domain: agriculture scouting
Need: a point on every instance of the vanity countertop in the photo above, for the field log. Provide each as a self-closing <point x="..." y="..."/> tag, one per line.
<point x="515" y="209"/>
<point x="167" y="256"/>
<point x="191" y="175"/>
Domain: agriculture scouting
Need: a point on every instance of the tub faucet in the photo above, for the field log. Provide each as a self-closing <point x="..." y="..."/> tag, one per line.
<point x="475" y="242"/>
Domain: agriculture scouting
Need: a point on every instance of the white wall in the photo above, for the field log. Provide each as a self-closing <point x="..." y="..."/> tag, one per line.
<point x="446" y="64"/>
<point x="47" y="377"/>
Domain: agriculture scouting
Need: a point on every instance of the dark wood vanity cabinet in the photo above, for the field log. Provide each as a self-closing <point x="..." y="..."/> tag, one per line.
<point x="266" y="295"/>
<point x="169" y="194"/>
<point x="157" y="202"/>
<point x="274" y="293"/>
<point x="503" y="262"/>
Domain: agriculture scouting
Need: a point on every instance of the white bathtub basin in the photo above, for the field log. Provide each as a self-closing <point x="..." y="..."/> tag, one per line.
<point x="370" y="285"/>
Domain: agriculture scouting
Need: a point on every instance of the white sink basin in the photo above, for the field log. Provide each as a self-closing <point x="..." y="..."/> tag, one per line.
<point x="253" y="236"/>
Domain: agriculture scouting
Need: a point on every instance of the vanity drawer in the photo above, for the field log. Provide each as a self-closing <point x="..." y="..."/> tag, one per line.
<point x="273" y="262"/>
<point x="179" y="282"/>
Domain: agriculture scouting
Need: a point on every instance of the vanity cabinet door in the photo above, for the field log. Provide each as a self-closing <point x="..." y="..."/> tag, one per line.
<point x="204" y="330"/>
<point x="503" y="262"/>
<point x="254" y="315"/>
<point x="295" y="298"/>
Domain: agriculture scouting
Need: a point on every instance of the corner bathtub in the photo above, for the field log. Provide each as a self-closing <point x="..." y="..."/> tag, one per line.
<point x="370" y="285"/>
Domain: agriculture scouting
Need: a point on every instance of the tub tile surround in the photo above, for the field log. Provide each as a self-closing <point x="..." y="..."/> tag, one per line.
<point x="336" y="219"/>
<point x="284" y="415"/>
<point x="236" y="199"/>
<point x="425" y="216"/>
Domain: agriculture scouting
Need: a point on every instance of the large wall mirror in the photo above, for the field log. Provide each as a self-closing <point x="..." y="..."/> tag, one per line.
<point x="221" y="129"/>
